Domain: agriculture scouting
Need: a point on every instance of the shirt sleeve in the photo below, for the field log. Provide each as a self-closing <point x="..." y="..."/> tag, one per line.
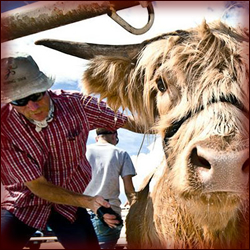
<point x="16" y="165"/>
<point x="127" y="165"/>
<point x="100" y="115"/>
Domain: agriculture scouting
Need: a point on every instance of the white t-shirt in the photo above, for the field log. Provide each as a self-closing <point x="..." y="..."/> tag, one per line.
<point x="108" y="162"/>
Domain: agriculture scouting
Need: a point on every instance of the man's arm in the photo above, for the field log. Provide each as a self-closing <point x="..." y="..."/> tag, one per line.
<point x="134" y="126"/>
<point x="56" y="194"/>
<point x="129" y="188"/>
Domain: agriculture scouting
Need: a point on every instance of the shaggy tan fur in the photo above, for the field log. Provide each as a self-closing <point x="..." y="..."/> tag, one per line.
<point x="186" y="218"/>
<point x="123" y="81"/>
<point x="180" y="73"/>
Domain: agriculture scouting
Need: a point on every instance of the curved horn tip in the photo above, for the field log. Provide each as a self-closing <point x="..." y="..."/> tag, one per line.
<point x="40" y="42"/>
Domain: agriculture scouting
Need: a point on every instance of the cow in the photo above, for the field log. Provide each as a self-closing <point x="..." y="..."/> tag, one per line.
<point x="192" y="88"/>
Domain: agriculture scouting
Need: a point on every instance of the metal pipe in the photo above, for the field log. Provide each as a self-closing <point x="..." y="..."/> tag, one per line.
<point x="44" y="15"/>
<point x="130" y="28"/>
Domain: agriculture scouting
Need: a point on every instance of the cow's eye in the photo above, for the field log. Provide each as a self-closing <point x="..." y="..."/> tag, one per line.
<point x="161" y="85"/>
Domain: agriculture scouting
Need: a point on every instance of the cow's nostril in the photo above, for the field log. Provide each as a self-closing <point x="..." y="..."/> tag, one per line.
<point x="199" y="161"/>
<point x="245" y="167"/>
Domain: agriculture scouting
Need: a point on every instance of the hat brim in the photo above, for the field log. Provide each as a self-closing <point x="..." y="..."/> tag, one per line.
<point x="40" y="84"/>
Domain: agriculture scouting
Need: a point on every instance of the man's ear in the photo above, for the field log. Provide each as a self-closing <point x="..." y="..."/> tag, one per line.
<point x="116" y="139"/>
<point x="113" y="138"/>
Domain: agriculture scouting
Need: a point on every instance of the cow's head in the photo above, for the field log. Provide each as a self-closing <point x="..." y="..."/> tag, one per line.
<point x="192" y="88"/>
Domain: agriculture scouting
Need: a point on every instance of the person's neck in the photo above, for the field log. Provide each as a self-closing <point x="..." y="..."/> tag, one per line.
<point x="102" y="141"/>
<point x="44" y="123"/>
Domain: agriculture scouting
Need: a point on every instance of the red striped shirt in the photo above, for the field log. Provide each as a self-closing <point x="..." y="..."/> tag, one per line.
<point x="57" y="152"/>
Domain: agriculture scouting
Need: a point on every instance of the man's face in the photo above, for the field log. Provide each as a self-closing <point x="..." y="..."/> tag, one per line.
<point x="35" y="110"/>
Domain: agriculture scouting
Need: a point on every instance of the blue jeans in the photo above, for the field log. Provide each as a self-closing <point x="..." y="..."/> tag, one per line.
<point x="77" y="235"/>
<point x="107" y="236"/>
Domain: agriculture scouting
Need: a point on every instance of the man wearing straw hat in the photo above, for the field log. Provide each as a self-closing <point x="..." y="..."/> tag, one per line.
<point x="43" y="165"/>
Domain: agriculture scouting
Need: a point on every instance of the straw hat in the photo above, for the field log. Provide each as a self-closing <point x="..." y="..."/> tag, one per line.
<point x="21" y="77"/>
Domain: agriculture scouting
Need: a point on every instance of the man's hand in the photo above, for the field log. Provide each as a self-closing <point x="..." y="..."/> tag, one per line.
<point x="111" y="220"/>
<point x="104" y="213"/>
<point x="96" y="202"/>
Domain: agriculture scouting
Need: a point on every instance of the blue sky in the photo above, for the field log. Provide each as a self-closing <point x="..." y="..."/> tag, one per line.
<point x="68" y="70"/>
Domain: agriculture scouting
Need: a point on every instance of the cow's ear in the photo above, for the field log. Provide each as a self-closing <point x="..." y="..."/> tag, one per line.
<point x="109" y="77"/>
<point x="115" y="80"/>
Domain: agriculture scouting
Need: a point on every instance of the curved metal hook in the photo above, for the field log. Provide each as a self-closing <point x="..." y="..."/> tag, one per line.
<point x="130" y="28"/>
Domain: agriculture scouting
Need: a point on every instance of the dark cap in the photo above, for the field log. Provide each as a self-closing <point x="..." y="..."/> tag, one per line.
<point x="103" y="131"/>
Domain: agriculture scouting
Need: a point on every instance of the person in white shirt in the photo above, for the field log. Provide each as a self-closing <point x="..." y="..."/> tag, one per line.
<point x="108" y="163"/>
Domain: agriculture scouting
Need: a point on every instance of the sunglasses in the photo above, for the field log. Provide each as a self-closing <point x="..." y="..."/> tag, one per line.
<point x="24" y="101"/>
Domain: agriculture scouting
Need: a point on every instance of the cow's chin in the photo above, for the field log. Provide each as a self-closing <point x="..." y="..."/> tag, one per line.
<point x="216" y="210"/>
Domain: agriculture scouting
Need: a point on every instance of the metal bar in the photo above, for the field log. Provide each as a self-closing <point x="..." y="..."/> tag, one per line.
<point x="44" y="15"/>
<point x="130" y="28"/>
<point x="44" y="238"/>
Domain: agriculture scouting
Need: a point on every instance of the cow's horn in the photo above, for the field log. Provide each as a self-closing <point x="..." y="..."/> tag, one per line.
<point x="89" y="50"/>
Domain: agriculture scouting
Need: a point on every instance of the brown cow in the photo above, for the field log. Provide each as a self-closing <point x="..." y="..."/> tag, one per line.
<point x="191" y="87"/>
